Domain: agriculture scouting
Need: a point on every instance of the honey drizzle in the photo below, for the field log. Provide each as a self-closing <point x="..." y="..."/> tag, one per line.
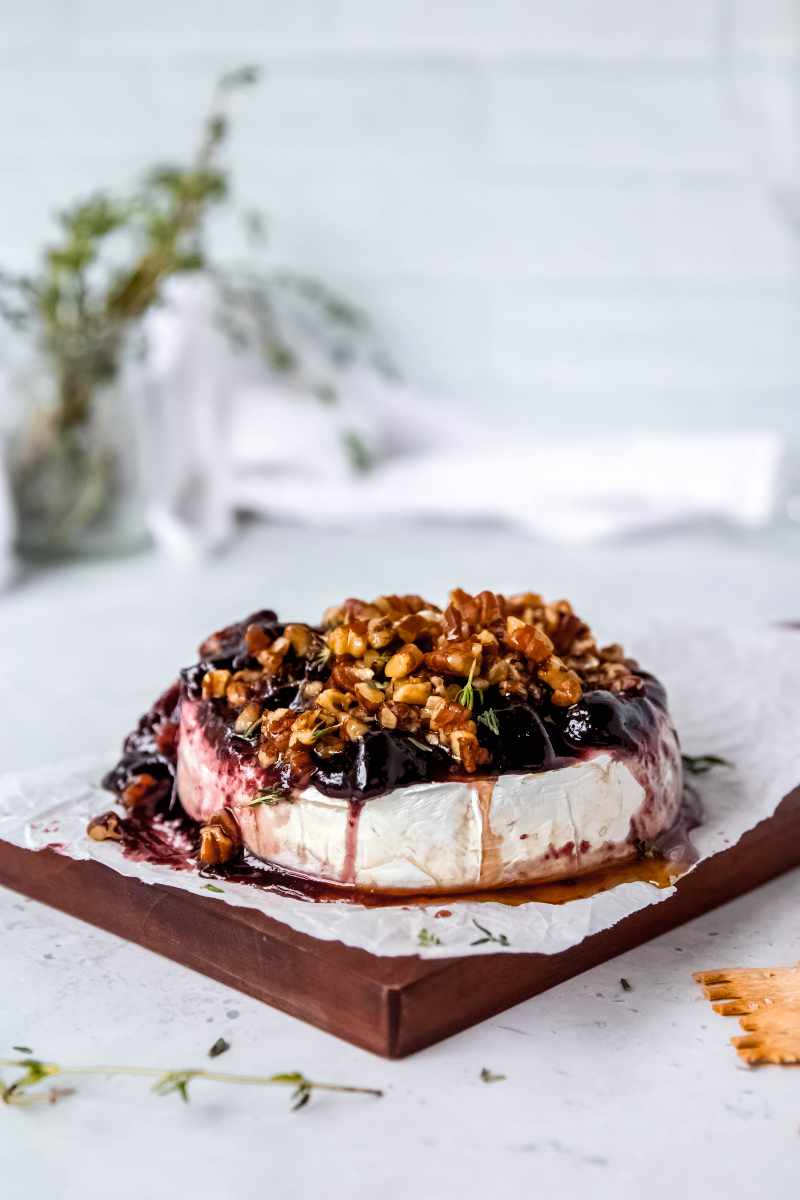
<point x="491" y="865"/>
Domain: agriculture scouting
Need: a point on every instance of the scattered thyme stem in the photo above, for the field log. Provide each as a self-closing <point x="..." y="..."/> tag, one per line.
<point x="290" y="1080"/>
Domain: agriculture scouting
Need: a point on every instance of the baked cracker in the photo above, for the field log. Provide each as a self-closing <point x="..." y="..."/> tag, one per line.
<point x="767" y="1002"/>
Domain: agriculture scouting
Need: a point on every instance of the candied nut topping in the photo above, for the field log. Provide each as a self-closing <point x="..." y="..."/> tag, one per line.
<point x="400" y="664"/>
<point x="105" y="828"/>
<point x="220" y="839"/>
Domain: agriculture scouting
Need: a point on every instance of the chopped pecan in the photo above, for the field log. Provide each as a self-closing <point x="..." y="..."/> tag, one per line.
<point x="105" y="828"/>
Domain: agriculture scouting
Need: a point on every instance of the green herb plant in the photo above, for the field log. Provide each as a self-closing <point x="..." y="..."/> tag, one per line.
<point x="700" y="764"/>
<point x="82" y="301"/>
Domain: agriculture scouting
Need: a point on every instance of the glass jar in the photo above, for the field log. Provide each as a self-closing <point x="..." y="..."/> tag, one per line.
<point x="76" y="464"/>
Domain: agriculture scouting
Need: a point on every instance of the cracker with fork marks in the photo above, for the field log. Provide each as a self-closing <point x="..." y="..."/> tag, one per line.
<point x="767" y="1002"/>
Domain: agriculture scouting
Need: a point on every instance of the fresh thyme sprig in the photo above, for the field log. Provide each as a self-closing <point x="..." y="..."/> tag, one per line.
<point x="489" y="719"/>
<point x="34" y="1072"/>
<point x="466" y="697"/>
<point x="270" y="796"/>
<point x="699" y="764"/>
<point x="322" y="730"/>
<point x="320" y="659"/>
<point x="251" y="734"/>
<point x="500" y="939"/>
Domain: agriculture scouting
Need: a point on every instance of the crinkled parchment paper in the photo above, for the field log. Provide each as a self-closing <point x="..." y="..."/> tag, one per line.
<point x="732" y="693"/>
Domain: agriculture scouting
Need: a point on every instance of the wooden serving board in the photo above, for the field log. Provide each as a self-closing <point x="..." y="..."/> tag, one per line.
<point x="392" y="1006"/>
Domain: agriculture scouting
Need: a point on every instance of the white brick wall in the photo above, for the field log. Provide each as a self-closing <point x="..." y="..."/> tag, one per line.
<point x="552" y="209"/>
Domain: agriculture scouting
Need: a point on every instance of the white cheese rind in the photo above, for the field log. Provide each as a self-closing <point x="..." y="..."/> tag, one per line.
<point x="449" y="836"/>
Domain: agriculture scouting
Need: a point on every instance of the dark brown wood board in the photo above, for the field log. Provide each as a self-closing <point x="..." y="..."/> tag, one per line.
<point x="392" y="1006"/>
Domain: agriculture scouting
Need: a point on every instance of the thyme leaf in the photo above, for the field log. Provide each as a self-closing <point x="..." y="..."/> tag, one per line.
<point x="488" y="1076"/>
<point x="212" y="887"/>
<point x="489" y="719"/>
<point x="500" y="939"/>
<point x="426" y="938"/>
<point x="23" y="1049"/>
<point x="219" y="1047"/>
<point x="626" y="985"/>
<point x="175" y="1081"/>
<point x="699" y="764"/>
<point x="322" y="730"/>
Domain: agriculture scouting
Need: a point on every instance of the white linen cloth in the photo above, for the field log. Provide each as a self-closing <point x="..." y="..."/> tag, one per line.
<point x="224" y="434"/>
<point x="281" y="453"/>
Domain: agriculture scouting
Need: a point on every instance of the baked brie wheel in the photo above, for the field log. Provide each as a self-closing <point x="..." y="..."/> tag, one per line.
<point x="398" y="747"/>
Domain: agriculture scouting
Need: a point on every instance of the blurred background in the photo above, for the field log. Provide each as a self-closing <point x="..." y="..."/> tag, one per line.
<point x="512" y="267"/>
<point x="559" y="213"/>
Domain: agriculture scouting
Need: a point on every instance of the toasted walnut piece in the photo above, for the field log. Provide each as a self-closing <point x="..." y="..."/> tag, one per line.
<point x="458" y="658"/>
<point x="498" y="671"/>
<point x="434" y="705"/>
<point x="370" y="695"/>
<point x="411" y="691"/>
<point x="564" y="632"/>
<point x="220" y="838"/>
<point x="345" y="675"/>
<point x="214" y="684"/>
<point x="269" y="754"/>
<point x="492" y="608"/>
<point x="467" y="749"/>
<point x="329" y="745"/>
<point x="565" y="683"/>
<point x="299" y="638"/>
<point x="215" y="846"/>
<point x="403" y="662"/>
<point x="247" y="718"/>
<point x="347" y="639"/>
<point x="279" y="718"/>
<point x="238" y="692"/>
<point x="612" y="653"/>
<point x="311" y="689"/>
<point x="333" y="616"/>
<point x="272" y="660"/>
<point x="449" y="716"/>
<point x="532" y="642"/>
<point x="387" y="718"/>
<point x="380" y="632"/>
<point x="255" y="639"/>
<point x="522" y="601"/>
<point x="408" y="716"/>
<point x="353" y="729"/>
<point x="337" y="639"/>
<point x="417" y="625"/>
<point x="306" y="727"/>
<point x="466" y="605"/>
<point x="142" y="789"/>
<point x="333" y="701"/>
<point x="628" y="683"/>
<point x="105" y="828"/>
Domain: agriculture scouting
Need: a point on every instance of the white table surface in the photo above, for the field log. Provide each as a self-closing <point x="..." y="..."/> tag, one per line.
<point x="608" y="1093"/>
